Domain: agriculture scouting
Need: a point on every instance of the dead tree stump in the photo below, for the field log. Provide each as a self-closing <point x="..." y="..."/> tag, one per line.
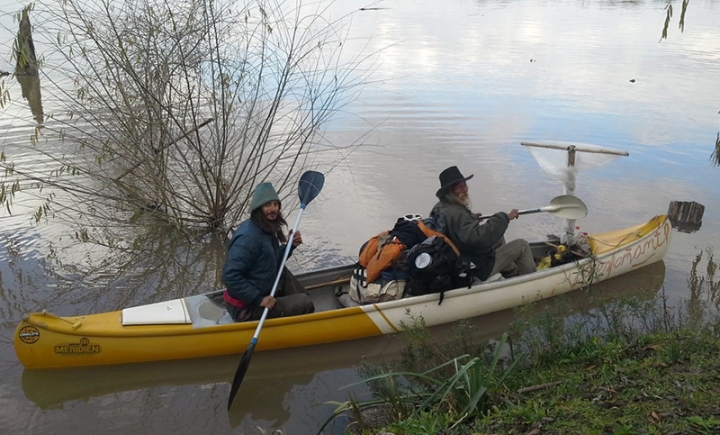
<point x="686" y="216"/>
<point x="26" y="61"/>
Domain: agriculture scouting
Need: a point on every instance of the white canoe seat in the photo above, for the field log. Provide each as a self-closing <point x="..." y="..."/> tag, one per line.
<point x="161" y="313"/>
<point x="492" y="278"/>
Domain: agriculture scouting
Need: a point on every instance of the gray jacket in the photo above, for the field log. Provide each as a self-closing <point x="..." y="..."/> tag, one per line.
<point x="475" y="241"/>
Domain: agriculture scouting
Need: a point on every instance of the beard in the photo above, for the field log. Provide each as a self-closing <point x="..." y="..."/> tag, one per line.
<point x="273" y="226"/>
<point x="462" y="199"/>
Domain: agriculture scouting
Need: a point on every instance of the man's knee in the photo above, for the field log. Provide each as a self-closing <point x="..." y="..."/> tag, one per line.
<point x="306" y="304"/>
<point x="520" y="245"/>
<point x="525" y="245"/>
<point x="295" y="305"/>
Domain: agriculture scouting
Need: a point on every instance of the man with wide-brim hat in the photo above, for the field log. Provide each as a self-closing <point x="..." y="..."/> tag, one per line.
<point x="481" y="243"/>
<point x="253" y="261"/>
<point x="450" y="177"/>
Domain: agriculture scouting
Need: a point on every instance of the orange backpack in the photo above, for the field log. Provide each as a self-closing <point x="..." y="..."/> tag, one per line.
<point x="383" y="250"/>
<point x="380" y="252"/>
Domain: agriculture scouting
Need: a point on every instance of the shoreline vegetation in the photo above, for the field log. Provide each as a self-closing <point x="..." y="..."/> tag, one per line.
<point x="629" y="366"/>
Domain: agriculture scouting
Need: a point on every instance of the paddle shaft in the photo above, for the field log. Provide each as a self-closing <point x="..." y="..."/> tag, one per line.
<point x="550" y="209"/>
<point x="529" y="211"/>
<point x="311" y="182"/>
<point x="559" y="209"/>
<point x="247" y="355"/>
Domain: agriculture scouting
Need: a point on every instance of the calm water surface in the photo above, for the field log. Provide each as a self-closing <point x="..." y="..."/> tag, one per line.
<point x="456" y="83"/>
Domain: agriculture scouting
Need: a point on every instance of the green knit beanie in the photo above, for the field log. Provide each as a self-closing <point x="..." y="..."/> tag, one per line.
<point x="264" y="193"/>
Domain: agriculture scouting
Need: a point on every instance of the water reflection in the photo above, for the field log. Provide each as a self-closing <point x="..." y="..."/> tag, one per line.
<point x="703" y="284"/>
<point x="281" y="383"/>
<point x="161" y="266"/>
<point x="687" y="227"/>
<point x="279" y="388"/>
<point x="30" y="87"/>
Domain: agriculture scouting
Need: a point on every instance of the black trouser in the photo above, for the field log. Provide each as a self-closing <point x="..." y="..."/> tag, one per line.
<point x="290" y="300"/>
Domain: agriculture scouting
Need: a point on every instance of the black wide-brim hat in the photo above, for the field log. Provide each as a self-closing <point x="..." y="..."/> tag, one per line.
<point x="448" y="177"/>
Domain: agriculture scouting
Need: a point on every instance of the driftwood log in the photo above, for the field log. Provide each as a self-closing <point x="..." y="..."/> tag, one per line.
<point x="686" y="216"/>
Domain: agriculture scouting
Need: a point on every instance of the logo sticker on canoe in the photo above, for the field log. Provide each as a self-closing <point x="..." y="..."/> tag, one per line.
<point x="29" y="334"/>
<point x="81" y="348"/>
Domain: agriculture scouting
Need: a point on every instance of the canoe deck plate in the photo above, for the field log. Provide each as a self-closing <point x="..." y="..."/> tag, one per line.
<point x="162" y="313"/>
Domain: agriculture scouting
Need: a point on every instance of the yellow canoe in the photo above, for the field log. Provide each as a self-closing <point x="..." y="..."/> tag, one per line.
<point x="286" y="368"/>
<point x="196" y="326"/>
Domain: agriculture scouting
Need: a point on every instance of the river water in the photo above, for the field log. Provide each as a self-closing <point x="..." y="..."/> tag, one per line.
<point x="455" y="83"/>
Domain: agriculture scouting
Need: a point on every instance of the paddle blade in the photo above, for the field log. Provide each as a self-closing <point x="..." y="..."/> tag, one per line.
<point x="311" y="183"/>
<point x="568" y="207"/>
<point x="241" y="370"/>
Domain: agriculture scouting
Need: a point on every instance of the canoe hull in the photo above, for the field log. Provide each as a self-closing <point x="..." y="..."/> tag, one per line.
<point x="46" y="341"/>
<point x="43" y="340"/>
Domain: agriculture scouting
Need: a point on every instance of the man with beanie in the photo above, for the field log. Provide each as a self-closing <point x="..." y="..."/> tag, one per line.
<point x="483" y="244"/>
<point x="253" y="262"/>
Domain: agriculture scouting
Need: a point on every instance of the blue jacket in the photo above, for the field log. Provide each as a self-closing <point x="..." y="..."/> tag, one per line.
<point x="252" y="263"/>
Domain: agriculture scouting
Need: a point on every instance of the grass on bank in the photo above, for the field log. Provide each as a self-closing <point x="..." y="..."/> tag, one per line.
<point x="627" y="367"/>
<point x="656" y="384"/>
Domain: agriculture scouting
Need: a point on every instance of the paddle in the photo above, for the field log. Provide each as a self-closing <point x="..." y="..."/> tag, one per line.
<point x="310" y="185"/>
<point x="564" y="206"/>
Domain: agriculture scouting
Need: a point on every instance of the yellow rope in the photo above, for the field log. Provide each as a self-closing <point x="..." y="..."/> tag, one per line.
<point x="75" y="325"/>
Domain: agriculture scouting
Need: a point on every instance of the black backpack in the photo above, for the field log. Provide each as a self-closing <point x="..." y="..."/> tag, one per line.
<point x="434" y="267"/>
